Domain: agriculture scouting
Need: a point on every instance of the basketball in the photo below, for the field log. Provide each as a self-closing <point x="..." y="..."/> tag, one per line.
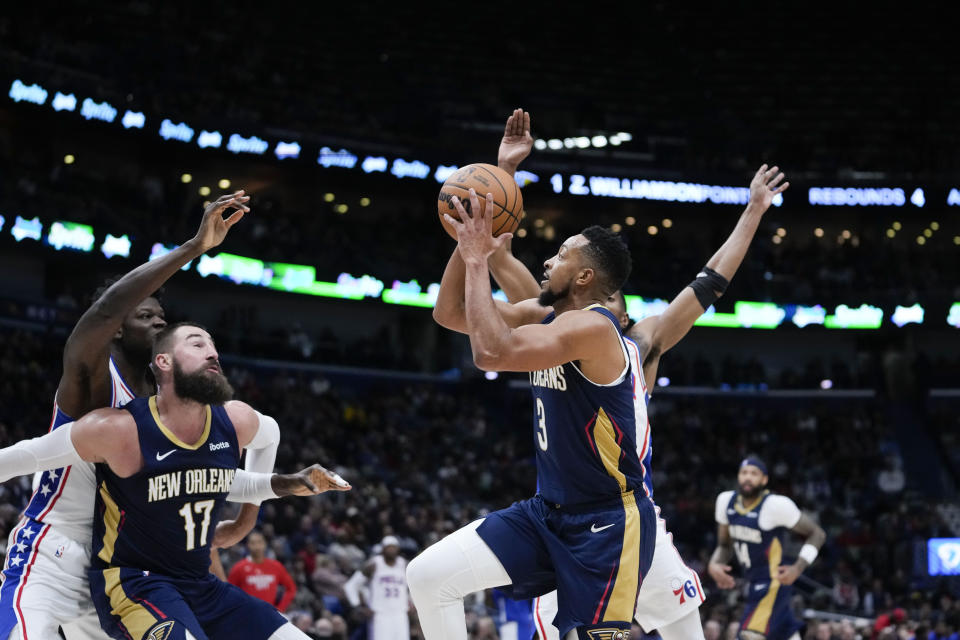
<point x="483" y="178"/>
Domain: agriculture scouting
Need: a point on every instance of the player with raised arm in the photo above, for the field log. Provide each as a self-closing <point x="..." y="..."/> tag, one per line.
<point x="165" y="465"/>
<point x="589" y="532"/>
<point x="752" y="524"/>
<point x="105" y="364"/>
<point x="671" y="594"/>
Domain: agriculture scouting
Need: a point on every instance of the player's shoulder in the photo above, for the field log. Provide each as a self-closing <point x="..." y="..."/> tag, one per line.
<point x="724" y="497"/>
<point x="778" y="511"/>
<point x="239" y="410"/>
<point x="109" y="417"/>
<point x="777" y="501"/>
<point x="529" y="311"/>
<point x="720" y="508"/>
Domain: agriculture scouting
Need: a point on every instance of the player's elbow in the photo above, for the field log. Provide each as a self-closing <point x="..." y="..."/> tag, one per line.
<point x="486" y="360"/>
<point x="818" y="537"/>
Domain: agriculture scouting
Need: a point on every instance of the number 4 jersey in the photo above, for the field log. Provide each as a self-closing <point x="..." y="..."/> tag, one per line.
<point x="757" y="533"/>
<point x="162" y="518"/>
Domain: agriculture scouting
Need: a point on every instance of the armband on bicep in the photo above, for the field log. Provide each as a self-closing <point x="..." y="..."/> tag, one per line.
<point x="708" y="286"/>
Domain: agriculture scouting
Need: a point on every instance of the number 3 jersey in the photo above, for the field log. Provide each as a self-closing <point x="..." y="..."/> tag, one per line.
<point x="757" y="533"/>
<point x="162" y="518"/>
<point x="585" y="433"/>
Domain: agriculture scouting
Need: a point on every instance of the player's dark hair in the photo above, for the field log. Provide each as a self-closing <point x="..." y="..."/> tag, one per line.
<point x="609" y="256"/>
<point x="109" y="282"/>
<point x="162" y="342"/>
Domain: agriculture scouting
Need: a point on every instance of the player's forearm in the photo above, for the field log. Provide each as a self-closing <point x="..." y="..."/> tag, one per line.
<point x="448" y="311"/>
<point x="730" y="255"/>
<point x="52" y="451"/>
<point x="512" y="276"/>
<point x="721" y="555"/>
<point x="488" y="332"/>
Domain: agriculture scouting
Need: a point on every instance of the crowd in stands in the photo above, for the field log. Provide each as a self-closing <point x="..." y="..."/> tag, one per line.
<point x="425" y="459"/>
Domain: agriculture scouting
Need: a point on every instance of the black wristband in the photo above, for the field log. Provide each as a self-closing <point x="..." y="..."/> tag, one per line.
<point x="708" y="286"/>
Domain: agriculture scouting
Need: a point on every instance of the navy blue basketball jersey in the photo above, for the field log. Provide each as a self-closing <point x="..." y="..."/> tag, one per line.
<point x="759" y="552"/>
<point x="585" y="433"/>
<point x="162" y="518"/>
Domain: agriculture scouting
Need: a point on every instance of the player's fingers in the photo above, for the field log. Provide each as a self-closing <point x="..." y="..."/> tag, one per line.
<point x="526" y="122"/>
<point x="782" y="187"/>
<point x="234" y="218"/>
<point x="771" y="171"/>
<point x="453" y="222"/>
<point x="475" y="203"/>
<point x="488" y="212"/>
<point x="464" y="214"/>
<point x="777" y="179"/>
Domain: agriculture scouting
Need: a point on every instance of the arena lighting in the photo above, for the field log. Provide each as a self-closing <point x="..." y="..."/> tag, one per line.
<point x="209" y="139"/>
<point x="491" y="375"/>
<point x="907" y="315"/>
<point x="862" y="317"/>
<point x="660" y="190"/>
<point x="372" y="164"/>
<point x="943" y="556"/>
<point x="20" y="92"/>
<point x="2" y="220"/>
<point x="443" y="172"/>
<point x="917" y="198"/>
<point x="70" y="235"/>
<point x="413" y="169"/>
<point x="663" y="381"/>
<point x="826" y="384"/>
<point x="133" y="120"/>
<point x="69" y="159"/>
<point x="539" y="144"/>
<point x="26" y="229"/>
<point x="410" y="294"/>
<point x="953" y="198"/>
<point x="285" y="150"/>
<point x="64" y="102"/>
<point x="204" y="191"/>
<point x="747" y="315"/>
<point x="598" y="141"/>
<point x="158" y="250"/>
<point x="857" y="197"/>
<point x="805" y="316"/>
<point x="330" y="158"/>
<point x="555" y="144"/>
<point x="253" y="144"/>
<point x="237" y="269"/>
<point x="224" y="183"/>
<point x="186" y="178"/>
<point x="103" y="111"/>
<point x="362" y="287"/>
<point x="171" y="131"/>
<point x="523" y="178"/>
<point x="114" y="246"/>
<point x="953" y="318"/>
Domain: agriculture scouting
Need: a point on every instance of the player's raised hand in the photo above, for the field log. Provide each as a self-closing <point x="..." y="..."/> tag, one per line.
<point x="474" y="229"/>
<point x="721" y="575"/>
<point x="214" y="227"/>
<point x="516" y="143"/>
<point x="308" y="482"/>
<point x="766" y="183"/>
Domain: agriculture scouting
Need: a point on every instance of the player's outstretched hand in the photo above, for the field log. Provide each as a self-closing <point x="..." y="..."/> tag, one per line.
<point x="766" y="184"/>
<point x="214" y="227"/>
<point x="475" y="230"/>
<point x="517" y="141"/>
<point x="721" y="575"/>
<point x="308" y="482"/>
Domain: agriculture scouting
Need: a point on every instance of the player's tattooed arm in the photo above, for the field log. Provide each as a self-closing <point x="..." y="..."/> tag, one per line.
<point x="86" y="353"/>
<point x="719" y="566"/>
<point x="660" y="333"/>
<point x="816" y="536"/>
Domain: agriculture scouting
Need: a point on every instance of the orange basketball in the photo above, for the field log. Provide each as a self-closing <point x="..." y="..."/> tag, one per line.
<point x="483" y="178"/>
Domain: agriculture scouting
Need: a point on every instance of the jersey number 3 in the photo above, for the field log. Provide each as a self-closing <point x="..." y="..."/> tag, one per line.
<point x="201" y="506"/>
<point x="541" y="425"/>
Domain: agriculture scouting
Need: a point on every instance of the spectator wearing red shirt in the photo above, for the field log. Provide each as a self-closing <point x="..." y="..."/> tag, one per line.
<point x="261" y="577"/>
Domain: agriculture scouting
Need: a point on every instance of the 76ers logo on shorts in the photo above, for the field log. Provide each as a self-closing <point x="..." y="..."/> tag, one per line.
<point x="685" y="590"/>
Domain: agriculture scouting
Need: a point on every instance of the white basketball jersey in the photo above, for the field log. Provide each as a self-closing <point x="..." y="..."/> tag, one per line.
<point x="640" y="396"/>
<point x="64" y="497"/>
<point x="388" y="586"/>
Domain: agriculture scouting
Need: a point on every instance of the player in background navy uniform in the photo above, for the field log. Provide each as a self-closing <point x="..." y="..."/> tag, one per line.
<point x="752" y="524"/>
<point x="671" y="593"/>
<point x="165" y="465"/>
<point x="589" y="532"/>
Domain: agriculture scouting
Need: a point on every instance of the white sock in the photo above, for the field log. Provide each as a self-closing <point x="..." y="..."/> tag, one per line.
<point x="688" y="627"/>
<point x="443" y="574"/>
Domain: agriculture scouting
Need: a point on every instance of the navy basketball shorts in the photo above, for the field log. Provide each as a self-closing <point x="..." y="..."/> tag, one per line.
<point x="594" y="555"/>
<point x="767" y="611"/>
<point x="135" y="605"/>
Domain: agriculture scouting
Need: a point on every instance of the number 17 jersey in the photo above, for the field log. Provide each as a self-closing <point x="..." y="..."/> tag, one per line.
<point x="162" y="518"/>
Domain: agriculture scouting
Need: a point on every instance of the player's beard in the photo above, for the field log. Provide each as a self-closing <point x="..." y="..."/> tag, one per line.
<point x="205" y="387"/>
<point x="752" y="493"/>
<point x="549" y="298"/>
